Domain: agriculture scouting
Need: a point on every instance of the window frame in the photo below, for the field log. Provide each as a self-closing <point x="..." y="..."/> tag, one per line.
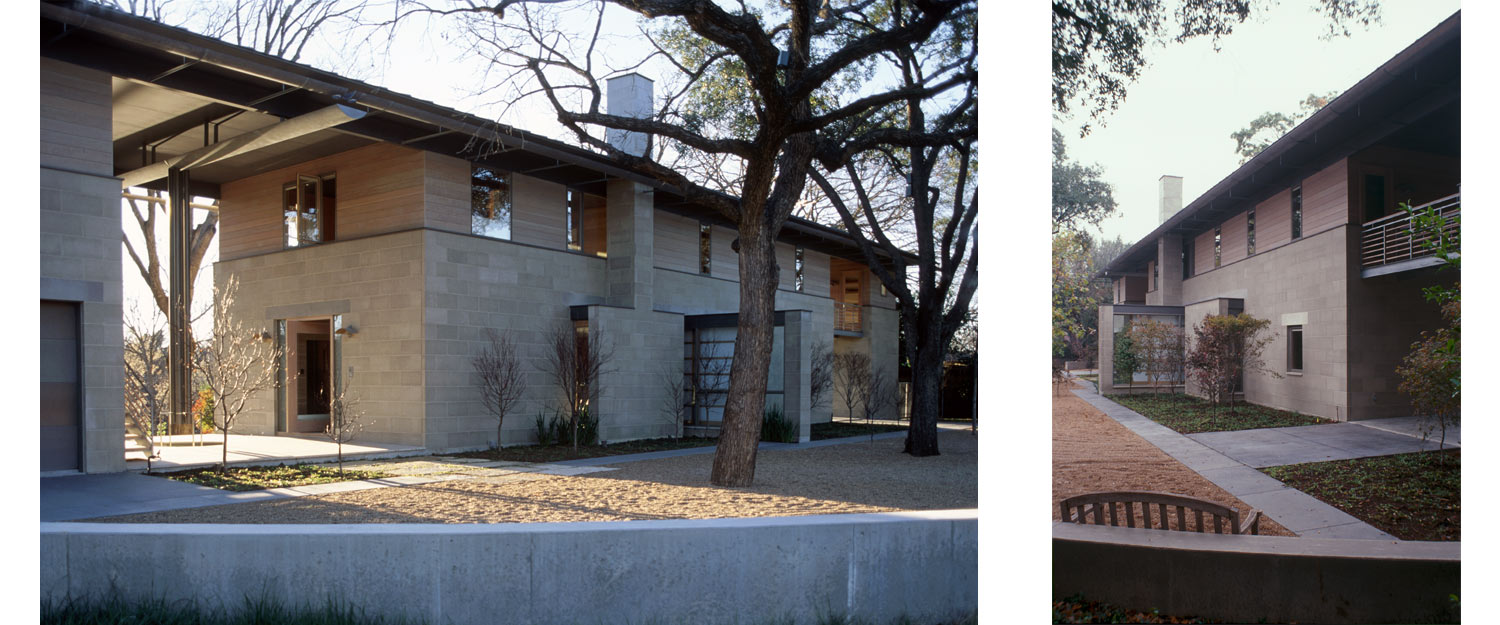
<point x="1218" y="245"/>
<point x="1250" y="232"/>
<point x="324" y="217"/>
<point x="1296" y="350"/>
<point x="505" y="178"/>
<point x="1296" y="212"/>
<point x="573" y="219"/>
<point x="799" y="263"/>
<point x="705" y="248"/>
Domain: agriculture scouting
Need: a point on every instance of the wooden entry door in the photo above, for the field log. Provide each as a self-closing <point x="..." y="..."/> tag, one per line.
<point x="60" y="426"/>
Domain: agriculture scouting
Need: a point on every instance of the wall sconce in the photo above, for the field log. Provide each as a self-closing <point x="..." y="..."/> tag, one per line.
<point x="346" y="331"/>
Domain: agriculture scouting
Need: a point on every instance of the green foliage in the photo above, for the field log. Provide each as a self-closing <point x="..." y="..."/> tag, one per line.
<point x="1224" y="349"/>
<point x="544" y="429"/>
<point x="1266" y="129"/>
<point x="559" y="429"/>
<point x="1127" y="357"/>
<point x="1075" y="301"/>
<point x="1410" y="496"/>
<point x="260" y="478"/>
<point x="1189" y="415"/>
<point x="1158" y="350"/>
<point x="203" y="406"/>
<point x="1431" y="373"/>
<point x="776" y="428"/>
<point x="116" y="611"/>
<point x="1080" y="196"/>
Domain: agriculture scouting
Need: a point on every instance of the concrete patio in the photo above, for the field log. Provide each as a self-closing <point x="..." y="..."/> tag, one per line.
<point x="188" y="452"/>
<point x="1272" y="447"/>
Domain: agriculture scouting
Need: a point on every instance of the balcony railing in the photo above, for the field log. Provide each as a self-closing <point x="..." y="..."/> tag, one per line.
<point x="846" y="317"/>
<point x="1389" y="239"/>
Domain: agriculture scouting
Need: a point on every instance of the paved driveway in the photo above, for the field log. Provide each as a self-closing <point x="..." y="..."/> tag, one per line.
<point x="1272" y="447"/>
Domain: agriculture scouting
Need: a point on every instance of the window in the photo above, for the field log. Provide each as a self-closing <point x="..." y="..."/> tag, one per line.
<point x="307" y="210"/>
<point x="1155" y="275"/>
<point x="1374" y="197"/>
<point x="489" y="203"/>
<point x="1250" y="232"/>
<point x="575" y="220"/>
<point x="1296" y="213"/>
<point x="798" y="263"/>
<point x="705" y="241"/>
<point x="1218" y="245"/>
<point x="1294" y="348"/>
<point x="1187" y="258"/>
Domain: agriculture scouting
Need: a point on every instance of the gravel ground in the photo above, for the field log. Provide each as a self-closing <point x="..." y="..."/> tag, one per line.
<point x="1092" y="453"/>
<point x="855" y="477"/>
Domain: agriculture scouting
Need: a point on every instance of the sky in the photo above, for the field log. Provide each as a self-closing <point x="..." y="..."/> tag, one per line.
<point x="1176" y="120"/>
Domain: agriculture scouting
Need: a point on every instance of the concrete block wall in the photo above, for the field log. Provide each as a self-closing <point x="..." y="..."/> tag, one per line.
<point x="631" y="402"/>
<point x="376" y="283"/>
<point x="474" y="283"/>
<point x="80" y="246"/>
<point x="1386" y="314"/>
<point x="864" y="567"/>
<point x="1304" y="279"/>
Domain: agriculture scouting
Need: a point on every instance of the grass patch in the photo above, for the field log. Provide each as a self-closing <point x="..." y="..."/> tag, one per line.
<point x="559" y="453"/>
<point x="261" y="478"/>
<point x="1410" y="496"/>
<point x="1076" y="609"/>
<point x="1190" y="415"/>
<point x="842" y="429"/>
<point x="162" y="612"/>
<point x="1092" y="377"/>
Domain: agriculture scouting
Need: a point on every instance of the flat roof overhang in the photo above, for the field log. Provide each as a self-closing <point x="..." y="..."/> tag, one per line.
<point x="219" y="80"/>
<point x="1410" y="101"/>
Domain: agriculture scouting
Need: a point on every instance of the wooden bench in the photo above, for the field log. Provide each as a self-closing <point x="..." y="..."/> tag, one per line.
<point x="1080" y="508"/>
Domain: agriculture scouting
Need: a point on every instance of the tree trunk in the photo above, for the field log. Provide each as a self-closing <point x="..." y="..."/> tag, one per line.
<point x="926" y="394"/>
<point x="739" y="434"/>
<point x="224" y="463"/>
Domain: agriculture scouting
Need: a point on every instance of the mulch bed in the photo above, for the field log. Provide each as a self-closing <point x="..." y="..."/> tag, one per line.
<point x="1410" y="496"/>
<point x="1076" y="609"/>
<point x="840" y="429"/>
<point x="559" y="453"/>
<point x="1190" y="415"/>
<point x="260" y="478"/>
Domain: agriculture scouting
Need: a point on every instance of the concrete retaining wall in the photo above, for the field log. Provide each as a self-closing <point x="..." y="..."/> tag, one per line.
<point x="1243" y="579"/>
<point x="874" y="566"/>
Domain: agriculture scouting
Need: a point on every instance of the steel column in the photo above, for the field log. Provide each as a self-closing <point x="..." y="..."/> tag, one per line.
<point x="180" y="375"/>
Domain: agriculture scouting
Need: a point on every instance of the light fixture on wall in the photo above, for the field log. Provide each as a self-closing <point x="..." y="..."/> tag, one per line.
<point x="346" y="331"/>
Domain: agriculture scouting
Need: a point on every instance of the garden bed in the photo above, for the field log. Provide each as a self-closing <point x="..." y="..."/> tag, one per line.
<point x="1189" y="415"/>
<point x="559" y="453"/>
<point x="260" y="478"/>
<point x="1077" y="609"/>
<point x="1410" y="496"/>
<point x="843" y="429"/>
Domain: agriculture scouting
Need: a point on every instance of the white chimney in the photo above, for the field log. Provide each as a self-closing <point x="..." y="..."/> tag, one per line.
<point x="628" y="96"/>
<point x="1169" y="191"/>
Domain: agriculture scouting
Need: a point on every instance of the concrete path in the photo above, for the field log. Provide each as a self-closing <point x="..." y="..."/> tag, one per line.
<point x="1273" y="447"/>
<point x="192" y="452"/>
<point x="1295" y="510"/>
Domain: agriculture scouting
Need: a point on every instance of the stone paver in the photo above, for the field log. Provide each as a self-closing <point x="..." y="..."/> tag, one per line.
<point x="1272" y="447"/>
<point x="1293" y="509"/>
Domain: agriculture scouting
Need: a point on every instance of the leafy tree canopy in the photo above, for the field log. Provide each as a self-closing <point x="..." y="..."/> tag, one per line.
<point x="1098" y="46"/>
<point x="1270" y="126"/>
<point x="1079" y="193"/>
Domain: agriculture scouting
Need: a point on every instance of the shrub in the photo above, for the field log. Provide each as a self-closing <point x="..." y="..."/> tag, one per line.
<point x="203" y="407"/>
<point x="544" y="429"/>
<point x="1430" y="374"/>
<point x="776" y="428"/>
<point x="1225" y="348"/>
<point x="1126" y="361"/>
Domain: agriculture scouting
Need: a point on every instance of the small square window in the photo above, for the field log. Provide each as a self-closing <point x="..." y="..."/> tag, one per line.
<point x="1294" y="348"/>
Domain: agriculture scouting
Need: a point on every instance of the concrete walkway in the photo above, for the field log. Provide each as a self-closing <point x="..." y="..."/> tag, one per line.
<point x="192" y="452"/>
<point x="1274" y="447"/>
<point x="1295" y="510"/>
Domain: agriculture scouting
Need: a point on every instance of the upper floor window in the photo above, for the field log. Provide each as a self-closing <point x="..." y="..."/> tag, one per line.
<point x="575" y="220"/>
<point x="1155" y="272"/>
<point x="490" y="203"/>
<point x="705" y="247"/>
<point x="1187" y="258"/>
<point x="1297" y="212"/>
<point x="1218" y="245"/>
<point x="799" y="263"/>
<point x="1250" y="232"/>
<point x="307" y="208"/>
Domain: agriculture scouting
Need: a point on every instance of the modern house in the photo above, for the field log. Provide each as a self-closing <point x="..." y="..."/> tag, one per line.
<point x="375" y="231"/>
<point x="1308" y="235"/>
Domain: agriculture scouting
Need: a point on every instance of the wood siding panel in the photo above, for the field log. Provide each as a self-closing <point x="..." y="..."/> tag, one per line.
<point x="1419" y="177"/>
<point x="1150" y="272"/>
<point x="595" y="225"/>
<point x="786" y="259"/>
<point x="676" y="242"/>
<point x="446" y="193"/>
<point x="77" y="122"/>
<point x="1325" y="199"/>
<point x="380" y="190"/>
<point x="816" y="273"/>
<point x="1273" y="221"/>
<point x="1233" y="241"/>
<point x="539" y="213"/>
<point x="1203" y="253"/>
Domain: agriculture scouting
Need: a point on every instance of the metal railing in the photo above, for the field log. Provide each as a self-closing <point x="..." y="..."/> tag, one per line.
<point x="1389" y="239"/>
<point x="846" y="317"/>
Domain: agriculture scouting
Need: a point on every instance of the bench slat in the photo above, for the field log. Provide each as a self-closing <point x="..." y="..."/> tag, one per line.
<point x="1146" y="514"/>
<point x="1129" y="514"/>
<point x="1078" y="509"/>
<point x="1198" y="514"/>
